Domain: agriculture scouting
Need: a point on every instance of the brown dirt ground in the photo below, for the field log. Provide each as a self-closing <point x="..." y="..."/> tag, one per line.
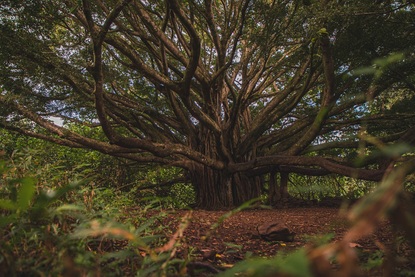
<point x="235" y="237"/>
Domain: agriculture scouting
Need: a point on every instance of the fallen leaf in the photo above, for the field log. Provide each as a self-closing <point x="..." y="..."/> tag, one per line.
<point x="354" y="245"/>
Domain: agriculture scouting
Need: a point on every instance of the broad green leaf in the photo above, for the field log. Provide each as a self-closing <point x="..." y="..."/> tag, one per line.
<point x="297" y="264"/>
<point x="397" y="149"/>
<point x="25" y="193"/>
<point x="392" y="58"/>
<point x="294" y="264"/>
<point x="111" y="229"/>
<point x="69" y="207"/>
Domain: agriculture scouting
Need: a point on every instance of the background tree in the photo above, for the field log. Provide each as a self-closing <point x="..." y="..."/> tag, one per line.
<point x="226" y="90"/>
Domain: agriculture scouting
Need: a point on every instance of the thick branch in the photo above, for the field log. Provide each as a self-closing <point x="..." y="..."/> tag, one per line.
<point x="374" y="175"/>
<point x="326" y="101"/>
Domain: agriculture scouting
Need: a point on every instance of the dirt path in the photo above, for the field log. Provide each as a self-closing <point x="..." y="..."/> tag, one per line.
<point x="235" y="237"/>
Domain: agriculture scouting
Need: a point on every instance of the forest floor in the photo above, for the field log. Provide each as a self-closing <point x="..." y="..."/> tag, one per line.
<point x="235" y="238"/>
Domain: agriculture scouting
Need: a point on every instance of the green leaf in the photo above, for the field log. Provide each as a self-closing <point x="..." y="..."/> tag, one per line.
<point x="323" y="32"/>
<point x="7" y="204"/>
<point x="4" y="221"/>
<point x="389" y="151"/>
<point x="69" y="207"/>
<point x="379" y="65"/>
<point x="392" y="58"/>
<point x="297" y="264"/>
<point x="26" y="193"/>
<point x="246" y="205"/>
<point x="232" y="245"/>
<point x="294" y="264"/>
<point x="397" y="150"/>
<point x="369" y="70"/>
<point x="3" y="167"/>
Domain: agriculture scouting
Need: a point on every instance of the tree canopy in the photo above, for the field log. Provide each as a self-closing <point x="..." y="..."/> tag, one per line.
<point x="226" y="90"/>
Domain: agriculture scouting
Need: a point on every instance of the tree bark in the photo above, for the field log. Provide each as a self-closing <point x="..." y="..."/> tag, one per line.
<point x="218" y="190"/>
<point x="278" y="191"/>
<point x="274" y="194"/>
<point x="284" y="186"/>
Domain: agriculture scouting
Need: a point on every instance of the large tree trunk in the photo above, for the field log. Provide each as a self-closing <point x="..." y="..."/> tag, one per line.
<point x="217" y="190"/>
<point x="284" y="186"/>
<point x="274" y="195"/>
<point x="220" y="189"/>
<point x="278" y="191"/>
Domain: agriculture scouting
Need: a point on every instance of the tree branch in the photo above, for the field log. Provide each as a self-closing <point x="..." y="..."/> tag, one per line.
<point x="374" y="175"/>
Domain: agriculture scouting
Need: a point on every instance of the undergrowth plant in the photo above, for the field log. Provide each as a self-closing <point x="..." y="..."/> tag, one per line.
<point x="322" y="187"/>
<point x="63" y="221"/>
<point x="35" y="226"/>
<point x="73" y="230"/>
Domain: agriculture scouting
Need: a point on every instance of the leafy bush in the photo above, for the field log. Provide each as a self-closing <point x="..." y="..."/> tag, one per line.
<point x="182" y="195"/>
<point x="321" y="187"/>
<point x="42" y="233"/>
<point x="34" y="226"/>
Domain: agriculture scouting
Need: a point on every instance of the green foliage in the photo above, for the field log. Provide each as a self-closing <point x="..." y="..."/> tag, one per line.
<point x="380" y="65"/>
<point x="50" y="223"/>
<point x="320" y="240"/>
<point x="32" y="224"/>
<point x="295" y="264"/>
<point x="84" y="227"/>
<point x="374" y="260"/>
<point x="22" y="200"/>
<point x="216" y="87"/>
<point x="322" y="187"/>
<point x="182" y="195"/>
<point x="75" y="229"/>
